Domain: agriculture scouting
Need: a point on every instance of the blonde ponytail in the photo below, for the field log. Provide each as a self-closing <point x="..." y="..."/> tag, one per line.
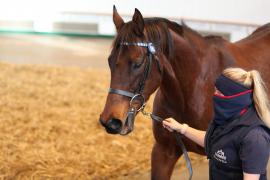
<point x="252" y="79"/>
<point x="260" y="97"/>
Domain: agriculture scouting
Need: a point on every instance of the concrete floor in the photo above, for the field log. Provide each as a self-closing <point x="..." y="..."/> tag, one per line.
<point x="78" y="52"/>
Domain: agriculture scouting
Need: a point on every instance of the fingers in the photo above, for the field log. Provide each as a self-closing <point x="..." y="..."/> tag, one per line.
<point x="168" y="128"/>
<point x="167" y="124"/>
<point x="170" y="124"/>
<point x="167" y="120"/>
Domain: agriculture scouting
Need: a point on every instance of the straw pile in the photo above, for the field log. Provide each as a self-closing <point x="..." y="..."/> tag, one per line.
<point x="49" y="127"/>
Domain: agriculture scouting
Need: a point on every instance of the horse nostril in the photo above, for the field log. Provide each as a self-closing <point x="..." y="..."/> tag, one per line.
<point x="115" y="125"/>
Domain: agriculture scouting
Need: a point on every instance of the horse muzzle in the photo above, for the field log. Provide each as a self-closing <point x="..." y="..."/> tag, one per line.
<point x="115" y="126"/>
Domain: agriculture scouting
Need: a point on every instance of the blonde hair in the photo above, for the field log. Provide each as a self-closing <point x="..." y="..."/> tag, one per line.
<point x="252" y="79"/>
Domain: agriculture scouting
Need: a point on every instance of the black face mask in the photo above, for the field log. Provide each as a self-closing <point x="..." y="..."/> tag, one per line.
<point x="227" y="107"/>
<point x="228" y="87"/>
<point x="237" y="97"/>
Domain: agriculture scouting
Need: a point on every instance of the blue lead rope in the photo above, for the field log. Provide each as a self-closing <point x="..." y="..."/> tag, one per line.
<point x="181" y="144"/>
<point x="184" y="150"/>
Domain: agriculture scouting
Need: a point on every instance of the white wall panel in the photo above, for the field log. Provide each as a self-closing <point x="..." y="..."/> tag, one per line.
<point x="239" y="11"/>
<point x="238" y="18"/>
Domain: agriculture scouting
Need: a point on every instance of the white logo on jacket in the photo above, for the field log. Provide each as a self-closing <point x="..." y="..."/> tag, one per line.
<point x="219" y="155"/>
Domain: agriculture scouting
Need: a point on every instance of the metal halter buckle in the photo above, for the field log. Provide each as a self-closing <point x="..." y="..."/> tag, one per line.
<point x="151" y="48"/>
<point x="142" y="100"/>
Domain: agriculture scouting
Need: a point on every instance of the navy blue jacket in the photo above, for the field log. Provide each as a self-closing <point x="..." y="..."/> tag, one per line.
<point x="241" y="144"/>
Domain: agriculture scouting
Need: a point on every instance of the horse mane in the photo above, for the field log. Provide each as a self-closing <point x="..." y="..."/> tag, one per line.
<point x="263" y="28"/>
<point x="257" y="34"/>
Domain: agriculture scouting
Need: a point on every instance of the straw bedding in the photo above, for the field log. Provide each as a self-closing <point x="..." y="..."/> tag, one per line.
<point x="49" y="127"/>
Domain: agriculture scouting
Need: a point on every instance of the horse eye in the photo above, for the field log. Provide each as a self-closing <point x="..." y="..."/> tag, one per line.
<point x="138" y="63"/>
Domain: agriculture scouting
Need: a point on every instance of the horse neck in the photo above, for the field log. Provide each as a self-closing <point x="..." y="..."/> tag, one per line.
<point x="187" y="77"/>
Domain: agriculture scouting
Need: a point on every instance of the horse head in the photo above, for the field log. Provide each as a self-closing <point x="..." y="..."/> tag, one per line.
<point x="137" y="60"/>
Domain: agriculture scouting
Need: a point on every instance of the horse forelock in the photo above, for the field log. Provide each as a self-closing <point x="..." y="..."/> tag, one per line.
<point x="156" y="30"/>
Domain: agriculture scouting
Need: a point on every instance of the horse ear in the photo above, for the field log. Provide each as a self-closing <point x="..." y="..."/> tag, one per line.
<point x="138" y="20"/>
<point x="117" y="19"/>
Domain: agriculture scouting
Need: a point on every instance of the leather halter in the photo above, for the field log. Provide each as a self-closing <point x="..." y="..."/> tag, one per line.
<point x="138" y="92"/>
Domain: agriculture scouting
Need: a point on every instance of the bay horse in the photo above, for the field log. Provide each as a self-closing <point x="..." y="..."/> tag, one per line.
<point x="183" y="68"/>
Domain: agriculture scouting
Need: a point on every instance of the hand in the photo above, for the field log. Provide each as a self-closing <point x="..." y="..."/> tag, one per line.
<point x="171" y="124"/>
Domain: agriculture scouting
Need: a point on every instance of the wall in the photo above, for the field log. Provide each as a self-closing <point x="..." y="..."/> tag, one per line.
<point x="236" y="17"/>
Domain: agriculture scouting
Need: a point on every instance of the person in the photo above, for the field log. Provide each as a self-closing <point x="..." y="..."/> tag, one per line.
<point x="237" y="141"/>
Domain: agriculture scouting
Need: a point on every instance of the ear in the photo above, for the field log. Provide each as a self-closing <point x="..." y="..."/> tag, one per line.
<point x="118" y="21"/>
<point x="138" y="20"/>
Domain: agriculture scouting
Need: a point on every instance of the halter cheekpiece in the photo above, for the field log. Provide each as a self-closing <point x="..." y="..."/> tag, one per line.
<point x="151" y="50"/>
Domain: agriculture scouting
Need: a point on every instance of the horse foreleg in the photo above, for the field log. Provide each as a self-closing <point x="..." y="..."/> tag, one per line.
<point x="163" y="161"/>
